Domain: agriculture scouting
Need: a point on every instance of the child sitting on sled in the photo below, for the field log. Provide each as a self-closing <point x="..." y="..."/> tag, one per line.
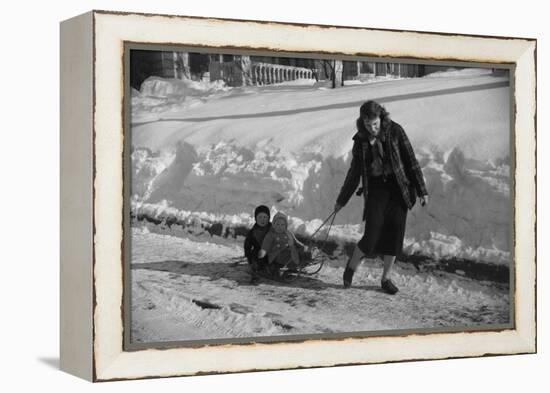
<point x="254" y="239"/>
<point x="281" y="247"/>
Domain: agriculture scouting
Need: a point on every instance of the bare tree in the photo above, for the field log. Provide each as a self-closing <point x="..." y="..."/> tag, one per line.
<point x="334" y="69"/>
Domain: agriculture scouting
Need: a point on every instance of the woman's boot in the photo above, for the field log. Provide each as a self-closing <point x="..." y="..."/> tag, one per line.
<point x="348" y="276"/>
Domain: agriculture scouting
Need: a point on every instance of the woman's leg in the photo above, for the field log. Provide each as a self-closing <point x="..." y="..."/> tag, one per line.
<point x="387" y="285"/>
<point x="355" y="258"/>
<point x="391" y="244"/>
<point x="374" y="220"/>
<point x="352" y="265"/>
<point x="388" y="263"/>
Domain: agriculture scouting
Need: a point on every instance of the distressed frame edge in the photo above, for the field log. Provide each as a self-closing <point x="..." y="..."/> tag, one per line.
<point x="303" y="24"/>
<point x="525" y="202"/>
<point x="292" y="339"/>
<point x="527" y="340"/>
<point x="76" y="197"/>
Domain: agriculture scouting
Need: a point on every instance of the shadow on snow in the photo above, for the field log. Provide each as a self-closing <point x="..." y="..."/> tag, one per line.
<point x="239" y="274"/>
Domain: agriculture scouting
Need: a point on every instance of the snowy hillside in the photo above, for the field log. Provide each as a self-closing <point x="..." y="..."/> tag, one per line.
<point x="204" y="153"/>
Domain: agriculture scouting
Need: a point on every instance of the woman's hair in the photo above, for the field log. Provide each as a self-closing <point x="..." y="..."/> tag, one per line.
<point x="372" y="109"/>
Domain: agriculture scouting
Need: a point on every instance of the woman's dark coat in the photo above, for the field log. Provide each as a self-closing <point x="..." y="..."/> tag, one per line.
<point x="402" y="158"/>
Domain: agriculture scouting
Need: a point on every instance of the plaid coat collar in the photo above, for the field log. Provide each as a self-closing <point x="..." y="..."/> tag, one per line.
<point x="407" y="171"/>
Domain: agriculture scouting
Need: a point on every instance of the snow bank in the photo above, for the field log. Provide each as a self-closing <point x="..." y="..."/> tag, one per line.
<point x="437" y="113"/>
<point x="159" y="95"/>
<point x="467" y="217"/>
<point x="289" y="148"/>
<point x="161" y="87"/>
<point x="466" y="72"/>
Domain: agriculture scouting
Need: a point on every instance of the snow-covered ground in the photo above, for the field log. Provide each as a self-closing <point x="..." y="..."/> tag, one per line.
<point x="188" y="288"/>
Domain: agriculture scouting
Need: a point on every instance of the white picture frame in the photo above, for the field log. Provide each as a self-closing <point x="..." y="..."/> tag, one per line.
<point x="92" y="194"/>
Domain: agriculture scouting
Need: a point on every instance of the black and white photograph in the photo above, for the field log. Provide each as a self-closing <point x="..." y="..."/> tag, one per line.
<point x="275" y="196"/>
<point x="253" y="196"/>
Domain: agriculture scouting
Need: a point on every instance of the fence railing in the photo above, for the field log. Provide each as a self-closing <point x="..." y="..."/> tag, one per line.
<point x="240" y="73"/>
<point x="266" y="74"/>
<point x="236" y="73"/>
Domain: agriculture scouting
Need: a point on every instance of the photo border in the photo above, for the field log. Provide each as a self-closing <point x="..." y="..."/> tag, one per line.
<point x="289" y="338"/>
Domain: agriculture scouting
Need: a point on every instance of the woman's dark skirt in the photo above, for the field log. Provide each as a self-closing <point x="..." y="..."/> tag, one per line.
<point x="385" y="218"/>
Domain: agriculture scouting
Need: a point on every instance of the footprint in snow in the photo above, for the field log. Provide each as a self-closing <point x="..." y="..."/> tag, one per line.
<point x="285" y="326"/>
<point x="240" y="309"/>
<point x="311" y="302"/>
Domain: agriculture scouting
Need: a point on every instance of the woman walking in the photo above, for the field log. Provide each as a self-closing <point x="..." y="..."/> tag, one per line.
<point x="384" y="160"/>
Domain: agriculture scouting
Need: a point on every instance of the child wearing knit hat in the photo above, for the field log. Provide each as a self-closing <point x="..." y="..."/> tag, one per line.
<point x="254" y="239"/>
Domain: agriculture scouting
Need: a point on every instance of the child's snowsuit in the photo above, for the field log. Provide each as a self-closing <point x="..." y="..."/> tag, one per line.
<point x="282" y="248"/>
<point x="252" y="245"/>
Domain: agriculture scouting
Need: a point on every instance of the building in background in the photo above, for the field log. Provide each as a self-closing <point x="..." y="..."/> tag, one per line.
<point x="238" y="70"/>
